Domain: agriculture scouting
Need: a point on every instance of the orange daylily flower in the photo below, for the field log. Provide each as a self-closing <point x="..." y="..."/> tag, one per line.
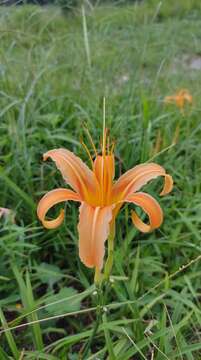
<point x="101" y="198"/>
<point x="180" y="98"/>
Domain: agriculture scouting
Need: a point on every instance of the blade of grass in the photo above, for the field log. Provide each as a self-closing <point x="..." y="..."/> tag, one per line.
<point x="9" y="336"/>
<point x="29" y="304"/>
<point x="86" y="38"/>
<point x="133" y="281"/>
<point x="17" y="190"/>
<point x="108" y="339"/>
<point x="3" y="355"/>
<point x="173" y="330"/>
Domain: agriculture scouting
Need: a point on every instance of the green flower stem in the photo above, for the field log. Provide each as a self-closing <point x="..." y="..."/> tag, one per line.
<point x="109" y="261"/>
<point x="99" y="278"/>
<point x="99" y="310"/>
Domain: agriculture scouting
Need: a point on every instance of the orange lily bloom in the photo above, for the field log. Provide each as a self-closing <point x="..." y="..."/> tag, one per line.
<point x="183" y="96"/>
<point x="101" y="198"/>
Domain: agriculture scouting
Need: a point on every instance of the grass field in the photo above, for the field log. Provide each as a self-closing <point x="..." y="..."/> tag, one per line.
<point x="55" y="71"/>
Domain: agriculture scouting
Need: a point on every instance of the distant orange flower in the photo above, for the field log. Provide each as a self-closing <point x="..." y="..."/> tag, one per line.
<point x="101" y="198"/>
<point x="183" y="96"/>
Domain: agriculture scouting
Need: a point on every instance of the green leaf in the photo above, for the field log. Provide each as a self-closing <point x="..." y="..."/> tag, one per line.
<point x="63" y="307"/>
<point x="49" y="274"/>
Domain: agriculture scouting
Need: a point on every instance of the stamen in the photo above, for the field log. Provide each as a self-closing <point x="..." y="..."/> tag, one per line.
<point x="91" y="140"/>
<point x="103" y="156"/>
<point x="112" y="148"/>
<point x="88" y="152"/>
<point x="104" y="166"/>
<point x="105" y="143"/>
<point x="108" y="145"/>
<point x="104" y="130"/>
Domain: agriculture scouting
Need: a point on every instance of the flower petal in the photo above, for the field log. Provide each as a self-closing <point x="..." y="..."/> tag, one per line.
<point x="93" y="230"/>
<point x="170" y="99"/>
<point x="74" y="172"/>
<point x="104" y="169"/>
<point x="151" y="207"/>
<point x="167" y="186"/>
<point x="137" y="177"/>
<point x="50" y="199"/>
<point x="186" y="95"/>
<point x="105" y="163"/>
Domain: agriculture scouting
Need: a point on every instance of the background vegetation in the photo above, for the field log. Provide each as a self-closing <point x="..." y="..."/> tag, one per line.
<point x="54" y="73"/>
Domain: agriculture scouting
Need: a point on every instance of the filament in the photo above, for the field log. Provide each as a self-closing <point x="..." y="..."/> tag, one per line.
<point x="112" y="148"/>
<point x="88" y="152"/>
<point x="91" y="140"/>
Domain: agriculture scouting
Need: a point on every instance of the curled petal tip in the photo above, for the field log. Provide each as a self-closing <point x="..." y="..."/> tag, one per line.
<point x="167" y="186"/>
<point x="151" y="207"/>
<point x="53" y="224"/>
<point x="139" y="224"/>
<point x="49" y="200"/>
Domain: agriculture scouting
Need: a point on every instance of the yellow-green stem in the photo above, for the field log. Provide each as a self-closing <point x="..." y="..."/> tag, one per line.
<point x="97" y="277"/>
<point x="109" y="261"/>
<point x="99" y="302"/>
